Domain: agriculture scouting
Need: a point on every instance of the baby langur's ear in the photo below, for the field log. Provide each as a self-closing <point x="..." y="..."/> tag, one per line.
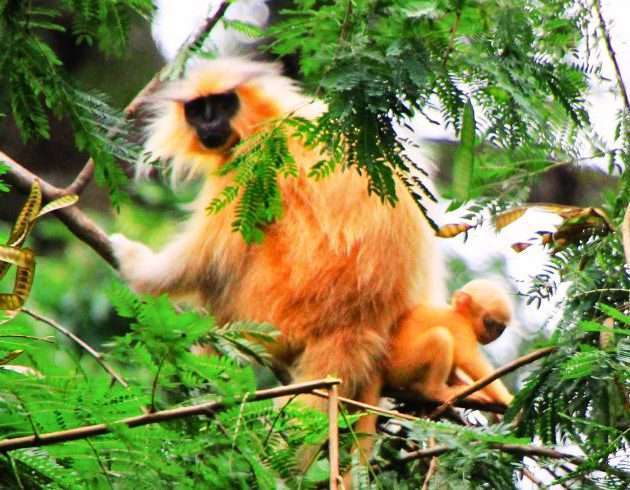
<point x="462" y="302"/>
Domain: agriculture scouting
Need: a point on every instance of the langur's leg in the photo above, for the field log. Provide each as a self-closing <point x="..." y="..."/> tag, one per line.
<point x="432" y="353"/>
<point x="355" y="363"/>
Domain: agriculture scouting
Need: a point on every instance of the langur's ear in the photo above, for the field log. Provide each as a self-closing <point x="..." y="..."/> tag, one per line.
<point x="462" y="302"/>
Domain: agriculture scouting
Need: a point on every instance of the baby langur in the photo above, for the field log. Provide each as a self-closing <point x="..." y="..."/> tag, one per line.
<point x="431" y="342"/>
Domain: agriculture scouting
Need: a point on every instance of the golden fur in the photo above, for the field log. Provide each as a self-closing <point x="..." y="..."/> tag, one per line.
<point x="334" y="274"/>
<point x="432" y="340"/>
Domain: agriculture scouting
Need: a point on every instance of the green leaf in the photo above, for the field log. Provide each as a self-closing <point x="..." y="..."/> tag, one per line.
<point x="591" y="326"/>
<point x="246" y="28"/>
<point x="614" y="314"/>
<point x="464" y="159"/>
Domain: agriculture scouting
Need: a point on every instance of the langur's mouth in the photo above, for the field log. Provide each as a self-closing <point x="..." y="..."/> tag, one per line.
<point x="218" y="140"/>
<point x="214" y="139"/>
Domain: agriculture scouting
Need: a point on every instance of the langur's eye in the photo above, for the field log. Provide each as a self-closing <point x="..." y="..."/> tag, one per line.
<point x="195" y="108"/>
<point x="493" y="327"/>
<point x="211" y="108"/>
<point x="225" y="103"/>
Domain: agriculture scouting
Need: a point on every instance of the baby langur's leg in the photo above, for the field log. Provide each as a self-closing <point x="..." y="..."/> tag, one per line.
<point x="435" y="354"/>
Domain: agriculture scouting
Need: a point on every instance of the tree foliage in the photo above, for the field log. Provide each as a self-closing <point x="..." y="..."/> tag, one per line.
<point x="506" y="75"/>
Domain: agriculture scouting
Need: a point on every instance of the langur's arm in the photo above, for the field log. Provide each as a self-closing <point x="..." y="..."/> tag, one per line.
<point x="167" y="271"/>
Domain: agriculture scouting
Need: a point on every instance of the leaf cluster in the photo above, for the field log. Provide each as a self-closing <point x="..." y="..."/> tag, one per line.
<point x="247" y="445"/>
<point x="34" y="85"/>
<point x="259" y="161"/>
<point x="377" y="64"/>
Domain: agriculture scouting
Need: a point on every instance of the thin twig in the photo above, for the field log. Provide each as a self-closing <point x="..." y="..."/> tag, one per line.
<point x="508" y="368"/>
<point x="532" y="477"/>
<point x="372" y="408"/>
<point x="155" y="384"/>
<point x="16" y="474"/>
<point x="333" y="437"/>
<point x="432" y="467"/>
<point x="516" y="449"/>
<point x="276" y="418"/>
<point x="48" y="338"/>
<point x="81" y="343"/>
<point x="453" y="32"/>
<point x="625" y="235"/>
<point x="600" y="291"/>
<point x="611" y="54"/>
<point x="85" y="175"/>
<point x="208" y="408"/>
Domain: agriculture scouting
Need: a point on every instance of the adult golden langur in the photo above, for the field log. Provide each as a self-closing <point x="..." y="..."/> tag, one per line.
<point x="334" y="274"/>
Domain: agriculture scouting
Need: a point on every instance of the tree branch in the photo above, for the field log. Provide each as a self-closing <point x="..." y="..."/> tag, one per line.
<point x="432" y="467"/>
<point x="85" y="175"/>
<point x="75" y="220"/>
<point x="207" y="408"/>
<point x="611" y="54"/>
<point x="80" y="342"/>
<point x="516" y="449"/>
<point x="625" y="235"/>
<point x="508" y="368"/>
<point x="414" y="401"/>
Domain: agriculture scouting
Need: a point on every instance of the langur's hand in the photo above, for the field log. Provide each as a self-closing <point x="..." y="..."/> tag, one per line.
<point x="132" y="258"/>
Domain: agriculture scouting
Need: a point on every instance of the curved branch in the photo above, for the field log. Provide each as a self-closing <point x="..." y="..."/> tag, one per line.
<point x="75" y="220"/>
<point x="611" y="54"/>
<point x="208" y="408"/>
<point x="85" y="175"/>
<point x="80" y="342"/>
<point x="508" y="368"/>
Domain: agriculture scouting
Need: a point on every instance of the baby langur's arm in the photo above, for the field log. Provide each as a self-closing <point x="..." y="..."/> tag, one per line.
<point x="154" y="273"/>
<point x="488" y="309"/>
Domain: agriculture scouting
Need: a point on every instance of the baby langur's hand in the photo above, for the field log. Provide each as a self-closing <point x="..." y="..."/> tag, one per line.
<point x="132" y="258"/>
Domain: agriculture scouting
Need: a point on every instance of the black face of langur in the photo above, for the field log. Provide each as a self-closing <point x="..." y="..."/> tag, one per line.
<point x="493" y="329"/>
<point x="210" y="116"/>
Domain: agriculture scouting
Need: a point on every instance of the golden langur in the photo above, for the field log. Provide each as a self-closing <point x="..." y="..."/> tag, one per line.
<point x="334" y="274"/>
<point x="431" y="342"/>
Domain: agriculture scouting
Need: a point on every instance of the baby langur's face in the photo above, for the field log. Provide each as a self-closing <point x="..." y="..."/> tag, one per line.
<point x="210" y="116"/>
<point x="489" y="308"/>
<point x="494" y="313"/>
<point x="492" y="328"/>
